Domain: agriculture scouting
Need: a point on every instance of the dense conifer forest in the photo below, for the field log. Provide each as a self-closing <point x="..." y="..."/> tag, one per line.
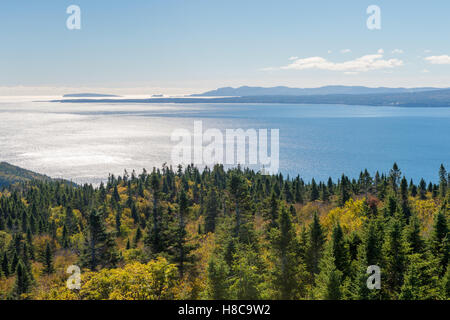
<point x="226" y="234"/>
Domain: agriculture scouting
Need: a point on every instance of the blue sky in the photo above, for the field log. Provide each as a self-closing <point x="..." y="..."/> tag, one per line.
<point x="170" y="46"/>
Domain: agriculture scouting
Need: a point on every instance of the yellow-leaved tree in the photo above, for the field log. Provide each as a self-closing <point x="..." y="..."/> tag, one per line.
<point x="156" y="280"/>
<point x="350" y="217"/>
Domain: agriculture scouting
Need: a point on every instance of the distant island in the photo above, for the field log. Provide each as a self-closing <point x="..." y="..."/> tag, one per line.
<point x="88" y="95"/>
<point x="417" y="97"/>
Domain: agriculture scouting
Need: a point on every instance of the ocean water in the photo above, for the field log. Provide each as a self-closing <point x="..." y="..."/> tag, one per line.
<point x="86" y="142"/>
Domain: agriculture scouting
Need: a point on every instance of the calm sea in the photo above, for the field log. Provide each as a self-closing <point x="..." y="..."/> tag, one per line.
<point x="85" y="142"/>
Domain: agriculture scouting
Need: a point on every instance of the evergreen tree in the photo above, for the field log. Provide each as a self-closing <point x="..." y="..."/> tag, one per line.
<point x="183" y="251"/>
<point x="443" y="183"/>
<point x="394" y="177"/>
<point x="369" y="253"/>
<point x="23" y="282"/>
<point x="99" y="248"/>
<point x="439" y="240"/>
<point x="238" y="188"/>
<point x="115" y="195"/>
<point x="65" y="238"/>
<point x="5" y="265"/>
<point x="324" y="195"/>
<point x="314" y="191"/>
<point x="366" y="182"/>
<point x="328" y="282"/>
<point x="413" y="190"/>
<point x="272" y="214"/>
<point x="154" y="240"/>
<point x="137" y="237"/>
<point x="404" y="198"/>
<point x="394" y="259"/>
<point x="413" y="238"/>
<point x="314" y="250"/>
<point x="422" y="189"/>
<point x="71" y="222"/>
<point x="421" y="280"/>
<point x="246" y="278"/>
<point x="446" y="285"/>
<point x="288" y="269"/>
<point x="118" y="221"/>
<point x="344" y="191"/>
<point x="212" y="210"/>
<point x="48" y="260"/>
<point x="134" y="213"/>
<point x="340" y="251"/>
<point x="217" y="281"/>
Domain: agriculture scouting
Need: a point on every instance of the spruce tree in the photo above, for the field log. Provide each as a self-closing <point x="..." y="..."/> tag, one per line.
<point x="404" y="199"/>
<point x="421" y="279"/>
<point x="443" y="183"/>
<point x="394" y="177"/>
<point x="15" y="261"/>
<point x="99" y="248"/>
<point x="137" y="237"/>
<point x="71" y="222"/>
<point x="394" y="259"/>
<point x="246" y="276"/>
<point x="154" y="240"/>
<point x="314" y="250"/>
<point x="439" y="240"/>
<point x="413" y="238"/>
<point x="23" y="282"/>
<point x="217" y="279"/>
<point x="422" y="189"/>
<point x="183" y="251"/>
<point x="65" y="238"/>
<point x="212" y="210"/>
<point x="329" y="280"/>
<point x="272" y="215"/>
<point x="340" y="250"/>
<point x="286" y="277"/>
<point x="118" y="221"/>
<point x="369" y="253"/>
<point x="115" y="195"/>
<point x="314" y="195"/>
<point x="239" y="191"/>
<point x="5" y="265"/>
<point x="446" y="285"/>
<point x="48" y="260"/>
<point x="344" y="191"/>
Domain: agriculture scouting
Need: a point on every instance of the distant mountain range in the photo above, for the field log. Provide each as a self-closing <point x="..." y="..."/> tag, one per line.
<point x="418" y="97"/>
<point x="88" y="95"/>
<point x="10" y="175"/>
<point x="286" y="91"/>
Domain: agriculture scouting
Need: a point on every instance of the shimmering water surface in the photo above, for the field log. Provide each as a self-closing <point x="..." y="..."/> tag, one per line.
<point x="85" y="142"/>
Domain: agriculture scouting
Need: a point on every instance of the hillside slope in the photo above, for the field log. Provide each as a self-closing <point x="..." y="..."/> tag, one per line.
<point x="10" y="174"/>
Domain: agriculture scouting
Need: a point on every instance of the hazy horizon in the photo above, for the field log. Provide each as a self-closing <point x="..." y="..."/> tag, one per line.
<point x="138" y="91"/>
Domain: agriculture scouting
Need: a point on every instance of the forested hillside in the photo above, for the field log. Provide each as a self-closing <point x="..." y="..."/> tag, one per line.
<point x="216" y="234"/>
<point x="10" y="174"/>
